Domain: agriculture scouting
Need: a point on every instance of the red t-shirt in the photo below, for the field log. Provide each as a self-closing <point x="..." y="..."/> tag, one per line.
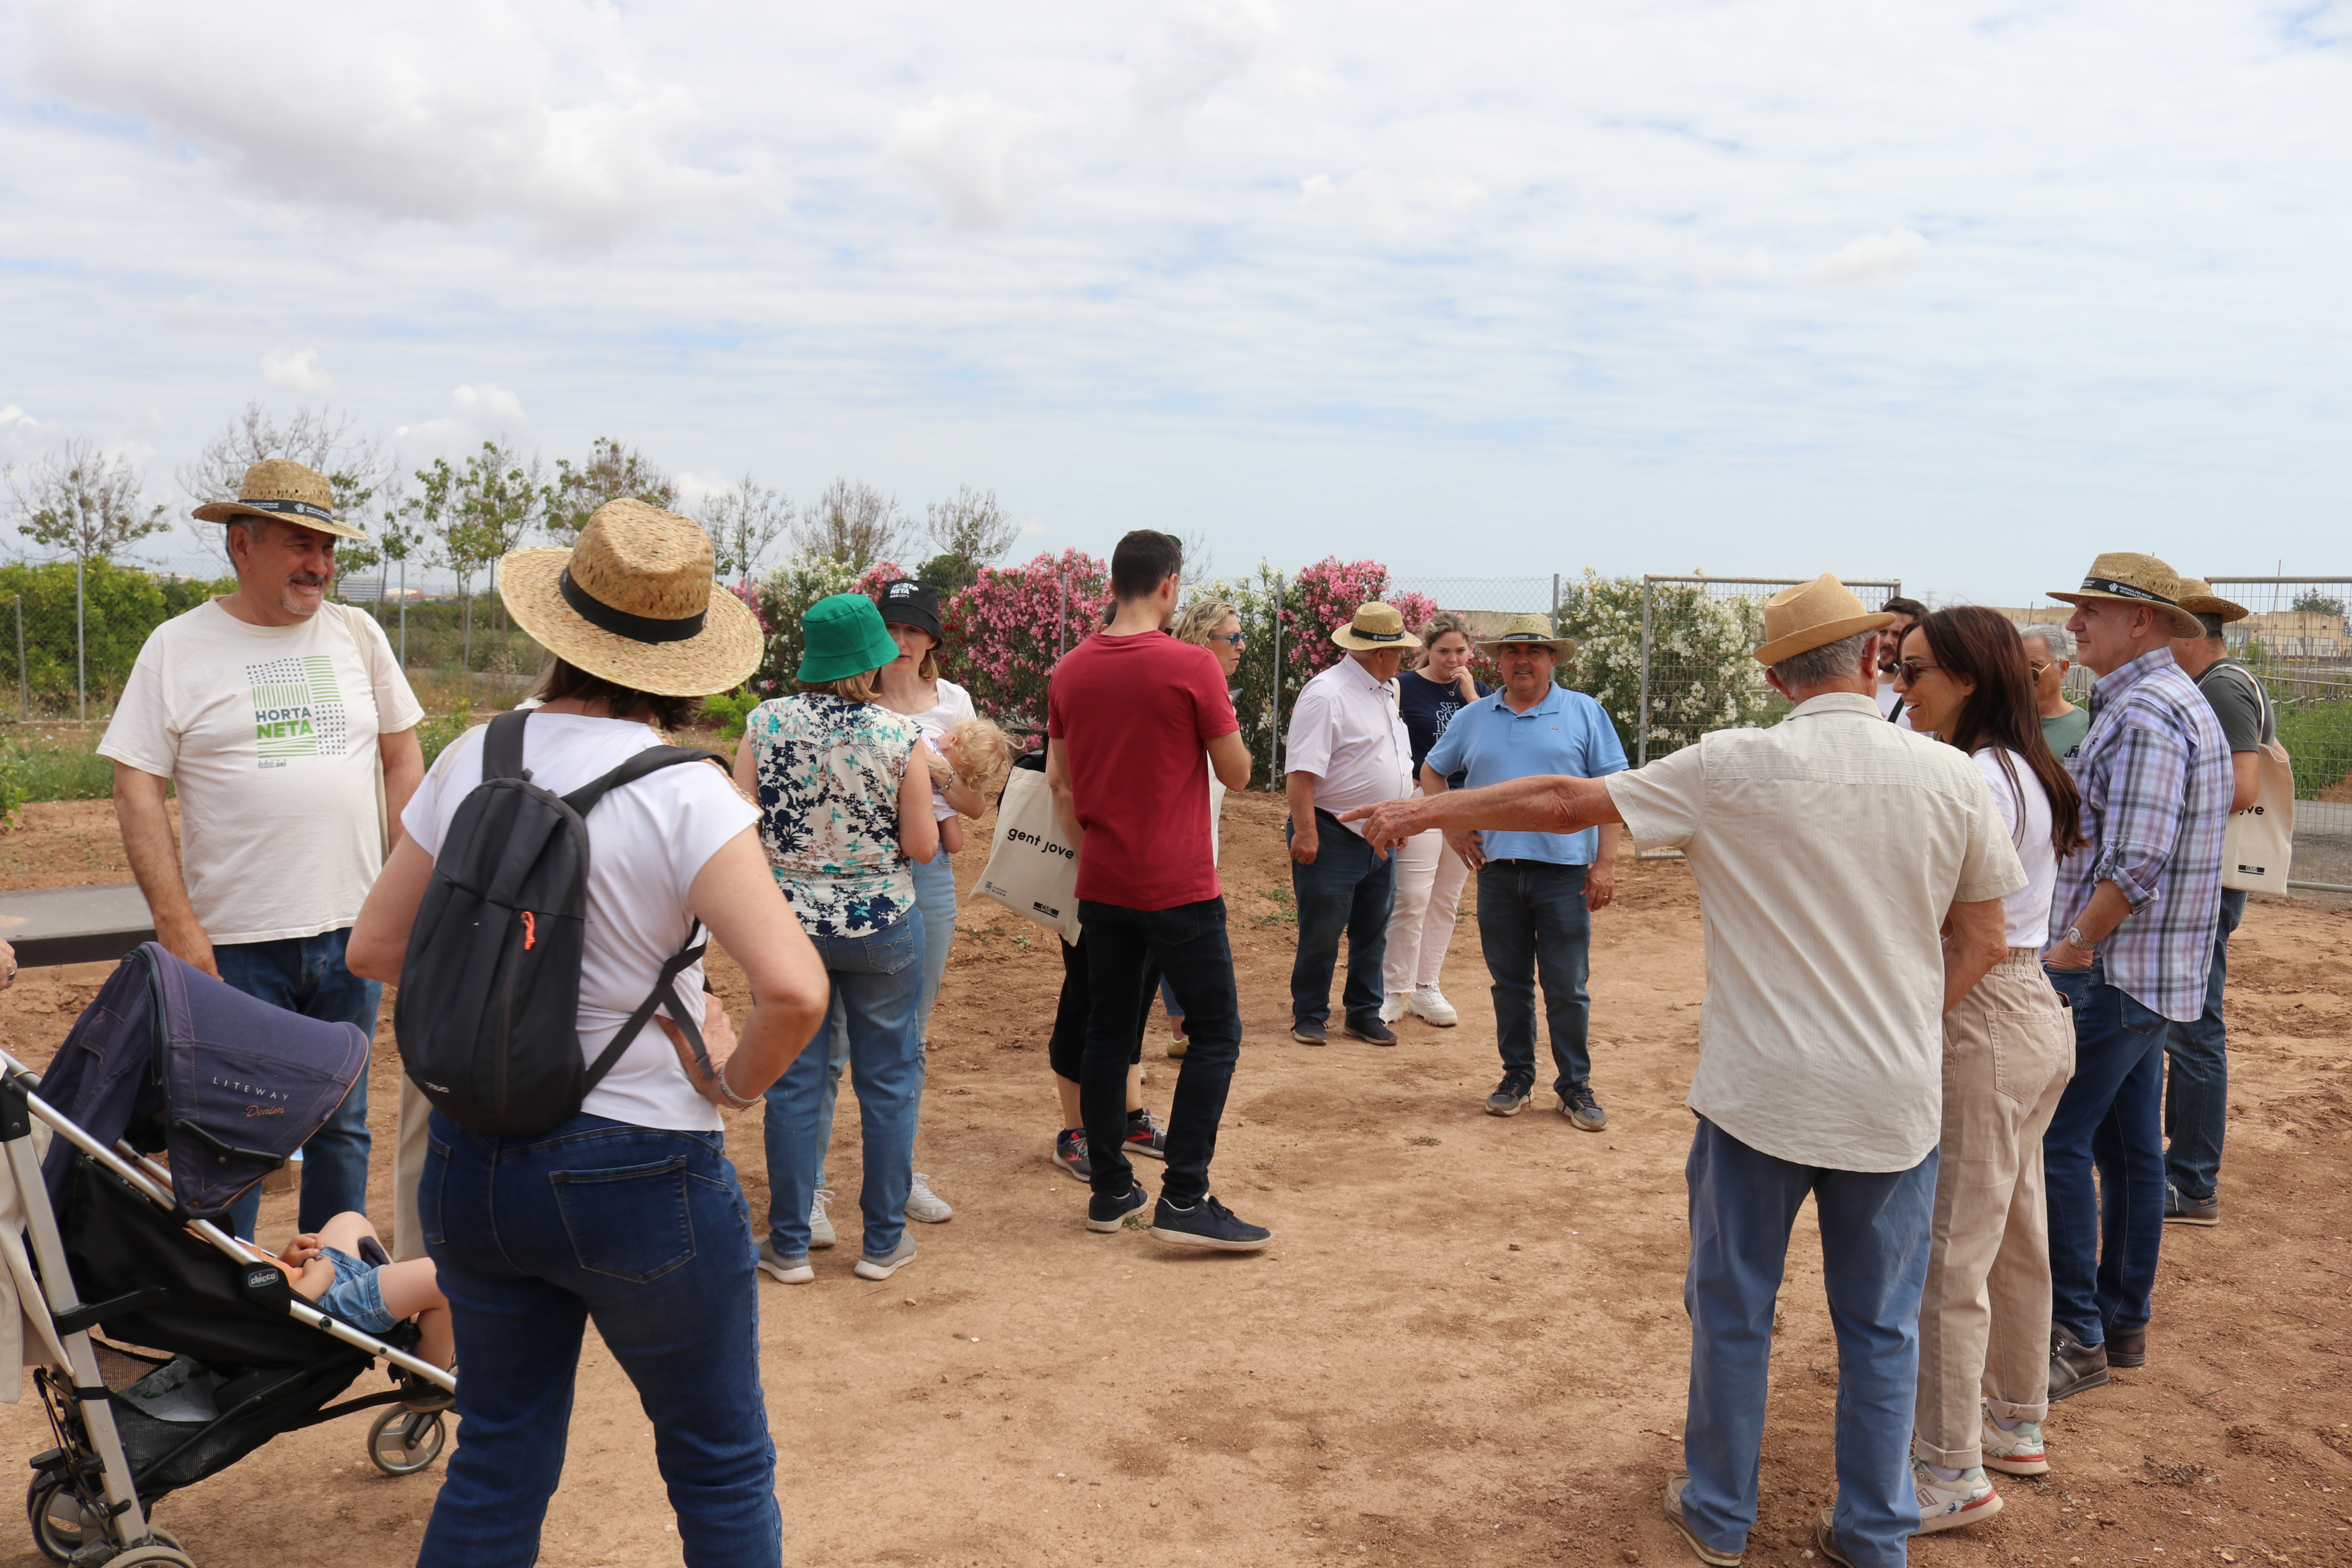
<point x="1132" y="717"/>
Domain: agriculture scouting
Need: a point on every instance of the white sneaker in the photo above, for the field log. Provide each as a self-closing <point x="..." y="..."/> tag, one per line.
<point x="872" y="1267"/>
<point x="2018" y="1453"/>
<point x="820" y="1228"/>
<point x="1431" y="1003"/>
<point x="1393" y="1006"/>
<point x="790" y="1270"/>
<point x="1947" y="1505"/>
<point x="925" y="1204"/>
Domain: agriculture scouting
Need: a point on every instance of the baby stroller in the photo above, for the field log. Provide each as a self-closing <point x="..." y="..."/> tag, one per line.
<point x="215" y="1355"/>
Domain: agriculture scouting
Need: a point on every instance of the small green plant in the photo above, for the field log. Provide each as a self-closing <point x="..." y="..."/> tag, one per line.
<point x="438" y="730"/>
<point x="1286" y="909"/>
<point x="46" y="768"/>
<point x="729" y="710"/>
<point x="12" y="786"/>
<point x="1021" y="942"/>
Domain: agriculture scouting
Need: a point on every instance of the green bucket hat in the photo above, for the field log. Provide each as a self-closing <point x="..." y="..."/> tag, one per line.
<point x="843" y="634"/>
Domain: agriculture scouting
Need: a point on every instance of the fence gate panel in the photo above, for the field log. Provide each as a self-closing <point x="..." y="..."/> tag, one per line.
<point x="2296" y="638"/>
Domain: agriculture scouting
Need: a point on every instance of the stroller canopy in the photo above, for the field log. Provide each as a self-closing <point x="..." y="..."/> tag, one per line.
<point x="170" y="1058"/>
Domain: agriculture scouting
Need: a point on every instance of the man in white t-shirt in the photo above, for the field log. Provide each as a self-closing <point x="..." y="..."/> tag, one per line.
<point x="275" y="713"/>
<point x="1829" y="851"/>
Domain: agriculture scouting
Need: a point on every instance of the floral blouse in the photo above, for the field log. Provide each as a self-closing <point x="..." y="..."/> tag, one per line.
<point x="828" y="771"/>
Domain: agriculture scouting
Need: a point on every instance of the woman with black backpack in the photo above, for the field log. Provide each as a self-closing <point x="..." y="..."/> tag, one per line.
<point x="593" y="1183"/>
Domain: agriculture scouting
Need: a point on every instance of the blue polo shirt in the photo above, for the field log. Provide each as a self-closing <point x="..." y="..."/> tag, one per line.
<point x="1567" y="733"/>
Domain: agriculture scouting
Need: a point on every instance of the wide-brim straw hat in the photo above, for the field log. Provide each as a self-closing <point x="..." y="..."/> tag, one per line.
<point x="635" y="602"/>
<point x="2197" y="597"/>
<point x="842" y="635"/>
<point x="277" y="488"/>
<point x="1375" y="627"/>
<point x="1814" y="614"/>
<point x="1528" y="631"/>
<point x="2128" y="577"/>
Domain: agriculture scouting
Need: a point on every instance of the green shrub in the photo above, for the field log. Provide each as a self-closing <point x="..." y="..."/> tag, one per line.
<point x="2319" y="736"/>
<point x="732" y="709"/>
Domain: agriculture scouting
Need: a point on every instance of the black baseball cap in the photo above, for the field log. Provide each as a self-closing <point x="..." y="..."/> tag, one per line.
<point x="911" y="604"/>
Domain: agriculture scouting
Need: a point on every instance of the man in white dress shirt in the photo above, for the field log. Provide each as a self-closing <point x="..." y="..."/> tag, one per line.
<point x="1346" y="748"/>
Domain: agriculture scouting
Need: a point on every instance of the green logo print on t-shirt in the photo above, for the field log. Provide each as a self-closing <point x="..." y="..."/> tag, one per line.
<point x="298" y="710"/>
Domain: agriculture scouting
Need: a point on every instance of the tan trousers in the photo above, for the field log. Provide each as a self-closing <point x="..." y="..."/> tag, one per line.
<point x="1984" y="1318"/>
<point x="408" y="1170"/>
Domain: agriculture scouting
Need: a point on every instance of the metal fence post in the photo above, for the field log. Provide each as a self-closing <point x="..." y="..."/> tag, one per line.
<point x="1273" y="727"/>
<point x="23" y="678"/>
<point x="81" y="646"/>
<point x="1642" y="736"/>
<point x="404" y="615"/>
<point x="1555" y="604"/>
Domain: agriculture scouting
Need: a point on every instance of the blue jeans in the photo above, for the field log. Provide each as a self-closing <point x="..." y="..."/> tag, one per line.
<point x="2197" y="1090"/>
<point x="306" y="975"/>
<point x="1349" y="890"/>
<point x="1532" y="921"/>
<point x="935" y="895"/>
<point x="1876" y="1227"/>
<point x="646" y="1232"/>
<point x="877" y="981"/>
<point x="1190" y="946"/>
<point x="2103" y="1240"/>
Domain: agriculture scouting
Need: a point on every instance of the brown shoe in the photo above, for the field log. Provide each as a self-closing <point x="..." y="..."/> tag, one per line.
<point x="2074" y="1365"/>
<point x="2127" y="1347"/>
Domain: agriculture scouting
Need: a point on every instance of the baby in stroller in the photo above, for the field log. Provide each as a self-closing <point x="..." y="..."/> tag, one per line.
<point x="344" y="1271"/>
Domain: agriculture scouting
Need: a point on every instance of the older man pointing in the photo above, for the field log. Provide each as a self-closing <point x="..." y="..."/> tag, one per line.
<point x="1831" y="852"/>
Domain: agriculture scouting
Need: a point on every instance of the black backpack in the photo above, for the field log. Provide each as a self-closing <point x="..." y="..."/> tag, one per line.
<point x="487" y="1015"/>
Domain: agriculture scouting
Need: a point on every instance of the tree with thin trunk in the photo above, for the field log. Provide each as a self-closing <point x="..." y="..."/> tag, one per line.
<point x="852" y="522"/>
<point x="969" y="530"/>
<point x="318" y="439"/>
<point x="611" y="472"/>
<point x="744" y="521"/>
<point x="87" y="503"/>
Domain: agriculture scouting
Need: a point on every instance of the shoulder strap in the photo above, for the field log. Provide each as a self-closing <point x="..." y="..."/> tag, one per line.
<point x="2269" y="730"/>
<point x="688" y="1021"/>
<point x="653" y="759"/>
<point x="502" y="747"/>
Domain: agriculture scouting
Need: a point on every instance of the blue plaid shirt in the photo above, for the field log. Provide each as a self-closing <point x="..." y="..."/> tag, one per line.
<point x="2155" y="776"/>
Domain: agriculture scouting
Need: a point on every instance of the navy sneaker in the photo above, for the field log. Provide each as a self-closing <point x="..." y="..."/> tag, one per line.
<point x="2180" y="1208"/>
<point x="1108" y="1215"/>
<point x="1581" y="1110"/>
<point x="1207" y="1224"/>
<point x="1306" y="1031"/>
<point x="1070" y="1153"/>
<point x="1370" y="1030"/>
<point x="1510" y="1096"/>
<point x="1146" y="1135"/>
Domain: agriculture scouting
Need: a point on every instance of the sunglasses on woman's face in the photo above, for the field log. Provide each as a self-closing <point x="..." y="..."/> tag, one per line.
<point x="1236" y="638"/>
<point x="1908" y="671"/>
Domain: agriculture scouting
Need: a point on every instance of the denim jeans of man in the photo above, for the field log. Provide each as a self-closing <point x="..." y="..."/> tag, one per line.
<point x="1875" y="1232"/>
<point x="1189" y="944"/>
<point x="1532" y="924"/>
<point x="935" y="895"/>
<point x="307" y="975"/>
<point x="2105" y="1239"/>
<point x="2197" y="1086"/>
<point x="644" y="1231"/>
<point x="878" y="980"/>
<point x="1347" y="893"/>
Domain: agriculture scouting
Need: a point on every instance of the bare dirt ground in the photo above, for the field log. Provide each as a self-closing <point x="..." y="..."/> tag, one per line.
<point x="1465" y="1346"/>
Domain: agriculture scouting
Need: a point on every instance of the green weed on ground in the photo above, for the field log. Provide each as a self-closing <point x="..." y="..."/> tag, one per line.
<point x="2319" y="736"/>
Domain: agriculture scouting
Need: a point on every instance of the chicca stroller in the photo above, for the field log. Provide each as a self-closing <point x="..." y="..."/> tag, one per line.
<point x="208" y="1353"/>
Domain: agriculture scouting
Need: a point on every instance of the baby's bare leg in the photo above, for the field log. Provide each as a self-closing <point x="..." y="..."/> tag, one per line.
<point x="343" y="1232"/>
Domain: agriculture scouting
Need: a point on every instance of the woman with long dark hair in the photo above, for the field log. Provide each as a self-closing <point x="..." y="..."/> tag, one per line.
<point x="2009" y="1050"/>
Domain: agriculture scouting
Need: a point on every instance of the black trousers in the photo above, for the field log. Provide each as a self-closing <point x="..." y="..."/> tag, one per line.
<point x="1068" y="1049"/>
<point x="1188" y="944"/>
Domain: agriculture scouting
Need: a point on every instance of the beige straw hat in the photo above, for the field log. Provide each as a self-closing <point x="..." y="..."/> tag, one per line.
<point x="2197" y="597"/>
<point x="1814" y="614"/>
<point x="1525" y="631"/>
<point x="275" y="487"/>
<point x="635" y="602"/>
<point x="1376" y="627"/>
<point x="2128" y="577"/>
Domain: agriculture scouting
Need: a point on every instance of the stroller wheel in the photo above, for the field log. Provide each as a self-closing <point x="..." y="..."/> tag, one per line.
<point x="61" y="1523"/>
<point x="154" y="1554"/>
<point x="402" y="1441"/>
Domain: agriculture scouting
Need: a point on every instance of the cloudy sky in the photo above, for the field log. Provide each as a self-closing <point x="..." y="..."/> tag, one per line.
<point x="1961" y="292"/>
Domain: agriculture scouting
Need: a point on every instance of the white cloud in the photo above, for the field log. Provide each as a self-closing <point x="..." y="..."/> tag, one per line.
<point x="12" y="415"/>
<point x="296" y="369"/>
<point x="979" y="157"/>
<point x="487" y="405"/>
<point x="1872" y="255"/>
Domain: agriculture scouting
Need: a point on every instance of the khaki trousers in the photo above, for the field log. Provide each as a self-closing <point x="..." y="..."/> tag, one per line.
<point x="408" y="1170"/>
<point x="1984" y="1318"/>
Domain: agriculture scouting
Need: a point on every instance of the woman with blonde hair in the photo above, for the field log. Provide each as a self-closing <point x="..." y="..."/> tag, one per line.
<point x="1429" y="880"/>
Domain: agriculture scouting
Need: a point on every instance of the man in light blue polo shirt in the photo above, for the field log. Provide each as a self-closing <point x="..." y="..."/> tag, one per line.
<point x="1537" y="892"/>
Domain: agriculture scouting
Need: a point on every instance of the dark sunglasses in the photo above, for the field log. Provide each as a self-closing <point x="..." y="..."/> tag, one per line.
<point x="1236" y="638"/>
<point x="1908" y="671"/>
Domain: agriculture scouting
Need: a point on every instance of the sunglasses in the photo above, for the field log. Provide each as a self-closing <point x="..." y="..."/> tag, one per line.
<point x="1236" y="638"/>
<point x="2035" y="669"/>
<point x="1908" y="671"/>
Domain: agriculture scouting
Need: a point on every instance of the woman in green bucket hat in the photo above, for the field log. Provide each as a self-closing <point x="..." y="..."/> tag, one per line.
<point x="844" y="787"/>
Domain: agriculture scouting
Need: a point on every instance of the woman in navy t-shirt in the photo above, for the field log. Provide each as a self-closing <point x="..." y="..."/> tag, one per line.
<point x="1428" y="880"/>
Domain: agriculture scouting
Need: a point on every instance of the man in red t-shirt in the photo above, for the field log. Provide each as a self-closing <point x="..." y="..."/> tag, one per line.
<point x="1134" y="721"/>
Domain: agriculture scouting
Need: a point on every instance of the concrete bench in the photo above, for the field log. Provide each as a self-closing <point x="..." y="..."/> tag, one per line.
<point x="75" y="925"/>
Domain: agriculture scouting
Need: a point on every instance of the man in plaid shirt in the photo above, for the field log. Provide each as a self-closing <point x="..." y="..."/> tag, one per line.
<point x="2131" y="940"/>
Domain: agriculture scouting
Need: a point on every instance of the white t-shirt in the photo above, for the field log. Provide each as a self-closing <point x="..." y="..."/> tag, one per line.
<point x="646" y="843"/>
<point x="2026" y="912"/>
<point x="953" y="707"/>
<point x="271" y="734"/>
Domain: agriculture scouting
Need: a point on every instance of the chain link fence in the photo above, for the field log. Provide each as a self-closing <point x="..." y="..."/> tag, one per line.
<point x="2296" y="637"/>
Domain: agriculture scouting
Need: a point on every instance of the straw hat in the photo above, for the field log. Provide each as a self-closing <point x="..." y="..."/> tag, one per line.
<point x="1529" y="631"/>
<point x="1814" y="614"/>
<point x="2197" y="597"/>
<point x="841" y="635"/>
<point x="634" y="603"/>
<point x="276" y="488"/>
<point x="1376" y="627"/>
<point x="2126" y="576"/>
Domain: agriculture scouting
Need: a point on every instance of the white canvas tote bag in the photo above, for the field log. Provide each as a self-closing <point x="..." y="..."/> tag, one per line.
<point x="2259" y="844"/>
<point x="1032" y="870"/>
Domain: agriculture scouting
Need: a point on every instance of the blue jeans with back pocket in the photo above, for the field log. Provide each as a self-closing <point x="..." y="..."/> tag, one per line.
<point x="877" y="982"/>
<point x="645" y="1231"/>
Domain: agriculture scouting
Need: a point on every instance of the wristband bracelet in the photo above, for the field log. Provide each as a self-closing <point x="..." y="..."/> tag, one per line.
<point x="733" y="1098"/>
